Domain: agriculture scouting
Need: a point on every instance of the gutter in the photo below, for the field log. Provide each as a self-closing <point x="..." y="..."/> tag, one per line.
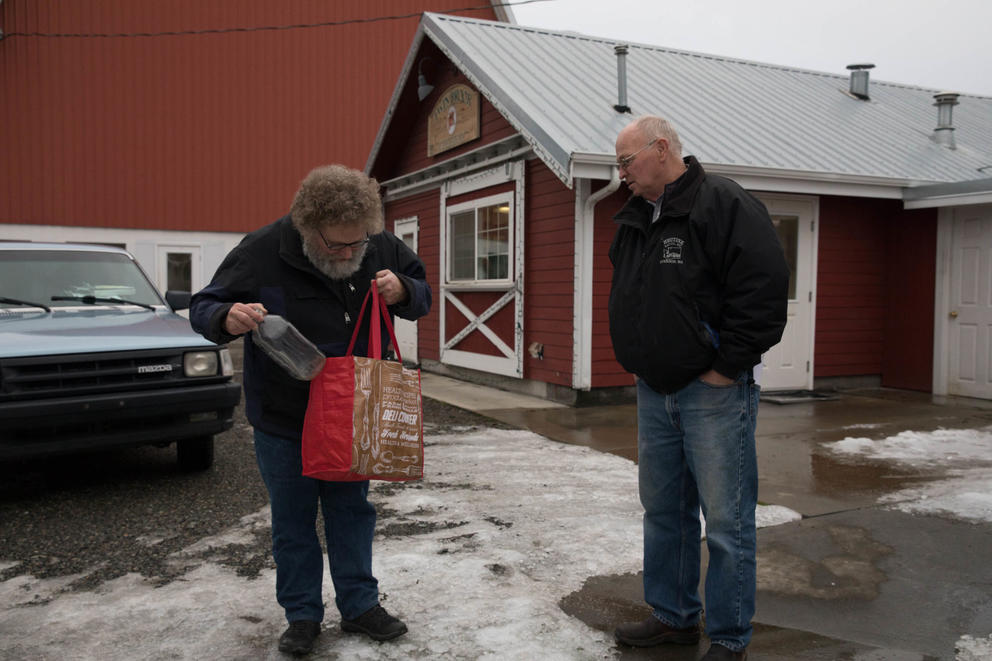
<point x="583" y="272"/>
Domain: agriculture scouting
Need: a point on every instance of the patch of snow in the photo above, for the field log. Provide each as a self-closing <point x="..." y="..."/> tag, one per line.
<point x="943" y="447"/>
<point x="965" y="456"/>
<point x="974" y="649"/>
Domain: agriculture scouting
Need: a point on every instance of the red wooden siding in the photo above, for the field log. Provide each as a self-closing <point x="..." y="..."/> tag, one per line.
<point x="425" y="207"/>
<point x="189" y="132"/>
<point x="549" y="268"/>
<point x="606" y="371"/>
<point x="875" y="291"/>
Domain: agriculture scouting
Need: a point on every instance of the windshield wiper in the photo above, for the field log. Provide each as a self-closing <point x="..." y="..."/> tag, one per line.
<point x="17" y="301"/>
<point x="92" y="300"/>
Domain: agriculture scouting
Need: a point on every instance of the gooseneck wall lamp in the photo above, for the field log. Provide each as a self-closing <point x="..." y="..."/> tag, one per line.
<point x="423" y="87"/>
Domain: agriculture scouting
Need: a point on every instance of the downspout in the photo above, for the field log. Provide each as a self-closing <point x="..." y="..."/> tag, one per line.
<point x="582" y="293"/>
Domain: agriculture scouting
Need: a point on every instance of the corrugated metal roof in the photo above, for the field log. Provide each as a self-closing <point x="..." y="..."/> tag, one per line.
<point x="559" y="88"/>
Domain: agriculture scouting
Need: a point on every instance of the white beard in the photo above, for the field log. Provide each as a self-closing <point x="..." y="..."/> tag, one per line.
<point x="335" y="269"/>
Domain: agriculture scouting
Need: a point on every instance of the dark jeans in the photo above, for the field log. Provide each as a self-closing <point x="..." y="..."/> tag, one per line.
<point x="349" y="523"/>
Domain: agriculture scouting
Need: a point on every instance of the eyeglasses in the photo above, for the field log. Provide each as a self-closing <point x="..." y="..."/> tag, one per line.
<point x="625" y="162"/>
<point x="341" y="247"/>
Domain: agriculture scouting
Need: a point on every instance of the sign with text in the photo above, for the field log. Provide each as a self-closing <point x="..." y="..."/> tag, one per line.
<point x="454" y="120"/>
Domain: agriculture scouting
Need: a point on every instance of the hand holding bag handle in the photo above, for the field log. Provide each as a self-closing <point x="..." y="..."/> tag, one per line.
<point x="379" y="309"/>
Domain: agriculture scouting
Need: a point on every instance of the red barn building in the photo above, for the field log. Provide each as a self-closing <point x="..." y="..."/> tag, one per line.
<point x="505" y="172"/>
<point x="172" y="128"/>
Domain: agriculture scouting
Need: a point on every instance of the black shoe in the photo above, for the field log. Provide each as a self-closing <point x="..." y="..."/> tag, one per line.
<point x="298" y="638"/>
<point x="721" y="653"/>
<point x="375" y="623"/>
<point x="653" y="631"/>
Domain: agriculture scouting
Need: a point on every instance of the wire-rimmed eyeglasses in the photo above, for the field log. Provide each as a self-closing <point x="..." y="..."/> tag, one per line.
<point x="341" y="247"/>
<point x="625" y="161"/>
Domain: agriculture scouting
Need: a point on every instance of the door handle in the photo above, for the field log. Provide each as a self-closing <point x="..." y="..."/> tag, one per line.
<point x="954" y="314"/>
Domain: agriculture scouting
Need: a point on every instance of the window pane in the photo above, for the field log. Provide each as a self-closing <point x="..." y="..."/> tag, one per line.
<point x="462" y="246"/>
<point x="788" y="234"/>
<point x="493" y="245"/>
<point x="179" y="271"/>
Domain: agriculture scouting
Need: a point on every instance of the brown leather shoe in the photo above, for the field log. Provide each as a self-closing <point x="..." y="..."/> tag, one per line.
<point x="653" y="631"/>
<point x="721" y="653"/>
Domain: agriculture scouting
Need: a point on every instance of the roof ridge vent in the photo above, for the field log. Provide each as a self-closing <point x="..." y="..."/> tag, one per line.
<point x="621" y="106"/>
<point x="944" y="133"/>
<point x="859" y="80"/>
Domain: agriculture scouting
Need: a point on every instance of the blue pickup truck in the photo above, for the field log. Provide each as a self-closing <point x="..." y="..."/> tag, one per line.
<point x="92" y="357"/>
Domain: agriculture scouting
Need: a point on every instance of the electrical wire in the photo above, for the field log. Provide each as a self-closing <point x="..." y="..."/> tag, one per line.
<point x="265" y="28"/>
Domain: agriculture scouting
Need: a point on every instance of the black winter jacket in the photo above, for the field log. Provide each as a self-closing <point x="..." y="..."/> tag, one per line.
<point x="706" y="286"/>
<point x="269" y="266"/>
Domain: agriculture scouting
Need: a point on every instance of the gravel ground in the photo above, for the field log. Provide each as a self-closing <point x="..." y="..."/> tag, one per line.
<point x="100" y="516"/>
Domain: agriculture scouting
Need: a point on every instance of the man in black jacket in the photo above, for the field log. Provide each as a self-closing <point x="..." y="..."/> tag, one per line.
<point x="313" y="267"/>
<point x="699" y="293"/>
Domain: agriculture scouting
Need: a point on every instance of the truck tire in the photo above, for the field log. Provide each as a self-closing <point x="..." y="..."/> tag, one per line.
<point x="195" y="454"/>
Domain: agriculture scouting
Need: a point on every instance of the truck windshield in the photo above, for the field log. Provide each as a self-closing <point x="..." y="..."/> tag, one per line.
<point x="68" y="278"/>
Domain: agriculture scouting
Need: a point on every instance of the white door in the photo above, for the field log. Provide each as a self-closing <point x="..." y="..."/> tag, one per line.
<point x="969" y="319"/>
<point x="789" y="364"/>
<point x="406" y="331"/>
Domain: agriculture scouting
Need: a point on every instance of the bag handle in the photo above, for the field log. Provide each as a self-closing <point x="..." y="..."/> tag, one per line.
<point x="375" y="332"/>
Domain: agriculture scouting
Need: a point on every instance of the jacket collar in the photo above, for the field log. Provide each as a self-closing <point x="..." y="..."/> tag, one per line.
<point x="677" y="201"/>
<point x="291" y="246"/>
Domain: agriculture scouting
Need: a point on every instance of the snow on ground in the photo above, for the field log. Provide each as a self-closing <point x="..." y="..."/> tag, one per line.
<point x="964" y="456"/>
<point x="504" y="526"/>
<point x="974" y="649"/>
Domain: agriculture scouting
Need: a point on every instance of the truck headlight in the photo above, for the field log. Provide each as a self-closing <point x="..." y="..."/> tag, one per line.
<point x="200" y="363"/>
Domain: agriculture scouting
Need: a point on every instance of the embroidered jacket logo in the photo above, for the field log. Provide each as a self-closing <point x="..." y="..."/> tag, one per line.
<point x="671" y="251"/>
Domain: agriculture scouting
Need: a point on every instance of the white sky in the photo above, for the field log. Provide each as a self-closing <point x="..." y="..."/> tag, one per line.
<point x="941" y="45"/>
<point x="536" y="519"/>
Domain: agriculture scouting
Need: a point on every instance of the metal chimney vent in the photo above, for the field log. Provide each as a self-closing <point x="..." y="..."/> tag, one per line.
<point x="944" y="133"/>
<point x="859" y="80"/>
<point x="621" y="106"/>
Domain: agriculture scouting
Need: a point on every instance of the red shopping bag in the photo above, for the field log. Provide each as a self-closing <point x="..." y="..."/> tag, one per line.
<point x="364" y="417"/>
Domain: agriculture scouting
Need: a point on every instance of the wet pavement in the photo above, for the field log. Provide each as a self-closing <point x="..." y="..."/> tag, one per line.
<point x="852" y="579"/>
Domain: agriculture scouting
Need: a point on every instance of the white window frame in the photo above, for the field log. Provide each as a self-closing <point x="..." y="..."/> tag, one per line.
<point x="474" y="205"/>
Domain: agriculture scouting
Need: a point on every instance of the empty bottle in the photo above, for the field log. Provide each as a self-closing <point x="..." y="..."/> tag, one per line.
<point x="287" y="346"/>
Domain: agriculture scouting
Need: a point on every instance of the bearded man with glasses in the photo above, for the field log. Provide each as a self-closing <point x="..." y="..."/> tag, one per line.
<point x="699" y="292"/>
<point x="313" y="267"/>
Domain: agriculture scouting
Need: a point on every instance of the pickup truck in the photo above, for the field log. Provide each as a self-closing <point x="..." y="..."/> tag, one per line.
<point x="92" y="357"/>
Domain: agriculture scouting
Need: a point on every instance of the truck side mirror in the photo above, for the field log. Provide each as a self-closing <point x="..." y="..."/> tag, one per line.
<point x="178" y="300"/>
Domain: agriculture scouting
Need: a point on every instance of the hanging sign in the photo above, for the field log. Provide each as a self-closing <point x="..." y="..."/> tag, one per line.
<point x="454" y="120"/>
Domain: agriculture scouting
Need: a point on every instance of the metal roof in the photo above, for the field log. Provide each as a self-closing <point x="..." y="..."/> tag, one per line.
<point x="558" y="89"/>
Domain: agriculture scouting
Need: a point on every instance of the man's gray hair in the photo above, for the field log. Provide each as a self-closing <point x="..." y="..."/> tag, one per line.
<point x="653" y="127"/>
<point x="335" y="195"/>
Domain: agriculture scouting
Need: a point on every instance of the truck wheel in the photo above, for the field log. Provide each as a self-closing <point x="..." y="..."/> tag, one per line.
<point x="195" y="454"/>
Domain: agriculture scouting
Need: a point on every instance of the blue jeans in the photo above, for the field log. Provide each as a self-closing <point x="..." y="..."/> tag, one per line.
<point x="696" y="449"/>
<point x="349" y="523"/>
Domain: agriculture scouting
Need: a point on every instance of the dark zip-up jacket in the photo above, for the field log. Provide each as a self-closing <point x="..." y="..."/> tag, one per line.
<point x="269" y="267"/>
<point x="705" y="286"/>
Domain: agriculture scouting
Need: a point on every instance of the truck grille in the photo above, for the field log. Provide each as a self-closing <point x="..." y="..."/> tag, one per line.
<point x="80" y="374"/>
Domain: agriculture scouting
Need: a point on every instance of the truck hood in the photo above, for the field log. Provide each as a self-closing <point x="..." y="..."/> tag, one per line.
<point x="93" y="329"/>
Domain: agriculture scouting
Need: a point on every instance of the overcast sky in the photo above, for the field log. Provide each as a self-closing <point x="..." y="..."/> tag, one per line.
<point x="940" y="45"/>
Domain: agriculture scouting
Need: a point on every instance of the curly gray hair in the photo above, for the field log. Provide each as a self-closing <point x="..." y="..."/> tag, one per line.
<point x="335" y="195"/>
